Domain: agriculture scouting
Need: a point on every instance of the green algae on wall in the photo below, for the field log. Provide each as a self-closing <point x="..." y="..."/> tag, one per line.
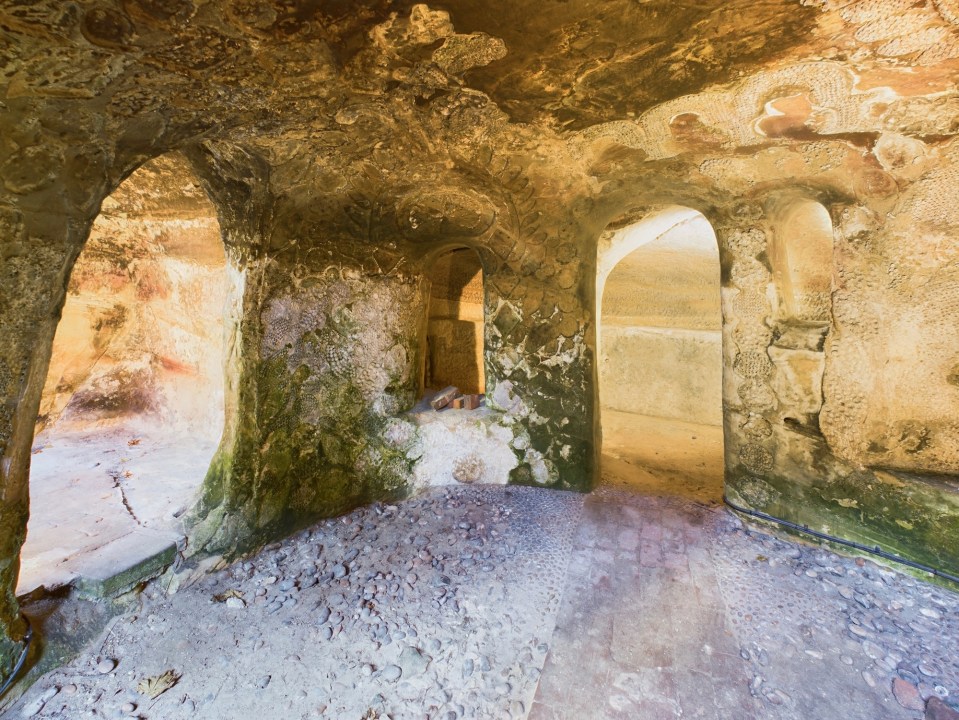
<point x="913" y="518"/>
<point x="329" y="363"/>
<point x="778" y="460"/>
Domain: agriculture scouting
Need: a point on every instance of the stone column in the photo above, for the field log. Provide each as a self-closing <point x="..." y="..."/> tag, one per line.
<point x="325" y="353"/>
<point x="37" y="250"/>
<point x="540" y="356"/>
<point x="748" y="397"/>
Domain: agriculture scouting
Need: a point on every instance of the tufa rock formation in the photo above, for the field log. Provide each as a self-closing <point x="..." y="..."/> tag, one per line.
<point x="346" y="146"/>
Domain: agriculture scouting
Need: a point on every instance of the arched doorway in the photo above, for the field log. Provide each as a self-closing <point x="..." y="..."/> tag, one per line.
<point x="132" y="408"/>
<point x="660" y="340"/>
<point x="454" y="335"/>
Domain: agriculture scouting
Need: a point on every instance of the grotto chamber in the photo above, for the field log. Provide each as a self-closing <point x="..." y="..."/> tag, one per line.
<point x="240" y="240"/>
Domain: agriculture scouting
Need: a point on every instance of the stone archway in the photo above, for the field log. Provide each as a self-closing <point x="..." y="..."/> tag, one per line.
<point x="133" y="404"/>
<point x="660" y="352"/>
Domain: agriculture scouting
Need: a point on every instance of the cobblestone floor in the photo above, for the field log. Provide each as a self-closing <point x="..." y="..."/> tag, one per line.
<point x="674" y="609"/>
<point x="645" y="600"/>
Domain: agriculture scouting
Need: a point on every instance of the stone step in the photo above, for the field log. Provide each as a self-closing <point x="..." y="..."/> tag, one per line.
<point x="120" y="565"/>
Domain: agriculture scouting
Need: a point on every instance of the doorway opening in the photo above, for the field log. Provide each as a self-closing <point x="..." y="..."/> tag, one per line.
<point x="454" y="333"/>
<point x="660" y="342"/>
<point x="132" y="409"/>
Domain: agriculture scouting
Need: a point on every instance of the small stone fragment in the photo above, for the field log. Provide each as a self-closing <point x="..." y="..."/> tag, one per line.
<point x="936" y="709"/>
<point x="33" y="709"/>
<point x="907" y="694"/>
<point x="391" y="673"/>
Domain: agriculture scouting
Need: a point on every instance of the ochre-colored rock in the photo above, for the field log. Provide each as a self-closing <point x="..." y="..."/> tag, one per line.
<point x="345" y="149"/>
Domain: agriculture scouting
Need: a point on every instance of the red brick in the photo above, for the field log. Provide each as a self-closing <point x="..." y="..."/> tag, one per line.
<point x="443" y="397"/>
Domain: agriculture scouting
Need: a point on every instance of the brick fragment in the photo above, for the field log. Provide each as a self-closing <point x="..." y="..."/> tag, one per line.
<point x="444" y="397"/>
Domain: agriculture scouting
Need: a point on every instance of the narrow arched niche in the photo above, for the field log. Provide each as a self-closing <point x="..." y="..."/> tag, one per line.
<point x="454" y="335"/>
<point x="800" y="257"/>
<point x="800" y="254"/>
<point x="660" y="341"/>
<point x="132" y="408"/>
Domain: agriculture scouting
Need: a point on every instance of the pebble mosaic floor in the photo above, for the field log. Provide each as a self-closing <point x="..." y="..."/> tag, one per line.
<point x="645" y="600"/>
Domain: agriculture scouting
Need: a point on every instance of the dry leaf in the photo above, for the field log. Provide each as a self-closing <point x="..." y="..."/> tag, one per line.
<point x="155" y="686"/>
<point x="133" y="441"/>
<point x="127" y="474"/>
<point x="224" y="596"/>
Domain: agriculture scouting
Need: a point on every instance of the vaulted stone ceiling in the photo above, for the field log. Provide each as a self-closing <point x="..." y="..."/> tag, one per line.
<point x="116" y="82"/>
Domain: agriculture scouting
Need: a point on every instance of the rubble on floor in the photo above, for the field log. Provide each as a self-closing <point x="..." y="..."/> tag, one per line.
<point x="513" y="602"/>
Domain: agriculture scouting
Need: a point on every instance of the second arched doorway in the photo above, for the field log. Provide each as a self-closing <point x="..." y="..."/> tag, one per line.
<point x="660" y="355"/>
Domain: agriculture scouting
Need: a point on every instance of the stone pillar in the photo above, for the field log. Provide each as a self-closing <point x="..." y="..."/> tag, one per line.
<point x="540" y="356"/>
<point x="37" y="250"/>
<point x="748" y="397"/>
<point x="321" y="363"/>
<point x="325" y="353"/>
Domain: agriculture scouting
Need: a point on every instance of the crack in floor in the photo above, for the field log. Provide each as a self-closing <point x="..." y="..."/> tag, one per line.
<point x="117" y="477"/>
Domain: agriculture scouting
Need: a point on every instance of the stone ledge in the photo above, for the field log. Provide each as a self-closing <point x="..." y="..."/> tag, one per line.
<point x="121" y="565"/>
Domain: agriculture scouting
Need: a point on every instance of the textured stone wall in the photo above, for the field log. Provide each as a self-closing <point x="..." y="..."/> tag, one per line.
<point x="343" y="148"/>
<point x="324" y="368"/>
<point x="892" y="380"/>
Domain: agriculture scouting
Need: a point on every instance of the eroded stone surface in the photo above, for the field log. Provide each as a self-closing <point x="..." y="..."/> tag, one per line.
<point x="343" y="146"/>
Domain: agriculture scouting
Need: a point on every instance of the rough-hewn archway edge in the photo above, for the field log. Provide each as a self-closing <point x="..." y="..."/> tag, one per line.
<point x="788" y="470"/>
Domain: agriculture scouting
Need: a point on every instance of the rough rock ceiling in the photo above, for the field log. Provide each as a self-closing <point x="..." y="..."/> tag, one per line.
<point x="151" y="74"/>
<point x="565" y="63"/>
